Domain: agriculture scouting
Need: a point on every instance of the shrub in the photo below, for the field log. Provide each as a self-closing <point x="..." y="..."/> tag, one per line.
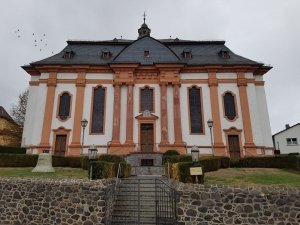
<point x="102" y="170"/>
<point x="177" y="158"/>
<point x="225" y="162"/>
<point x="294" y="153"/>
<point x="277" y="152"/>
<point x="287" y="161"/>
<point x="125" y="170"/>
<point x="168" y="155"/>
<point x="84" y="162"/>
<point x="62" y="161"/>
<point x="12" y="150"/>
<point x="111" y="158"/>
<point x="17" y="160"/>
<point x="181" y="171"/>
<point x="210" y="164"/>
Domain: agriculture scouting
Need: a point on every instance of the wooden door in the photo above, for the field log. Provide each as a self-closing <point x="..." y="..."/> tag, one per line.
<point x="147" y="137"/>
<point x="60" y="145"/>
<point x="234" y="147"/>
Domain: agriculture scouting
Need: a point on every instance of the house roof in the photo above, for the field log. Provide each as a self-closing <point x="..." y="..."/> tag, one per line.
<point x="161" y="51"/>
<point x="286" y="129"/>
<point x="203" y="53"/>
<point x="5" y="115"/>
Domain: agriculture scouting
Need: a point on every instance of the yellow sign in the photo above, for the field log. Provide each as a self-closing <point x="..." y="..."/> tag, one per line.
<point x="195" y="171"/>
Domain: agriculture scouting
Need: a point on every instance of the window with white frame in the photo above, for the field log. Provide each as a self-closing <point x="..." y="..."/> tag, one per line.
<point x="291" y="141"/>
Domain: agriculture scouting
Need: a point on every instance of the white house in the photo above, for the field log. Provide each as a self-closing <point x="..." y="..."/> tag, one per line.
<point x="287" y="140"/>
<point x="147" y="96"/>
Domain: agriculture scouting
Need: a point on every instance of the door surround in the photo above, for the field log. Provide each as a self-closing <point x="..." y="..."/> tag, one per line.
<point x="61" y="131"/>
<point x="150" y="119"/>
<point x="233" y="131"/>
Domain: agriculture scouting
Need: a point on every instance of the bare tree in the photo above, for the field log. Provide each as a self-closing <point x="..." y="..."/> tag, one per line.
<point x="18" y="110"/>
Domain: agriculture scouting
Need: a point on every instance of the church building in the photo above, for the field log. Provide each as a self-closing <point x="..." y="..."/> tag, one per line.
<point x="147" y="96"/>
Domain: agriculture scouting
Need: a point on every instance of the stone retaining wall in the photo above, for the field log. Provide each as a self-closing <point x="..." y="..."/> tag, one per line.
<point x="46" y="201"/>
<point x="212" y="204"/>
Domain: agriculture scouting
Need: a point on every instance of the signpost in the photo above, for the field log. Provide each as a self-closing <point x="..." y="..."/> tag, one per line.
<point x="198" y="173"/>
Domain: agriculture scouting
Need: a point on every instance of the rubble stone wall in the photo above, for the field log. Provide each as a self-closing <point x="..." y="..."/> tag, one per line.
<point x="46" y="201"/>
<point x="213" y="204"/>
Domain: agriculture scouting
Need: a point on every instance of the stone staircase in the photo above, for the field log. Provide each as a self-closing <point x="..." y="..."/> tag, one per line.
<point x="135" y="202"/>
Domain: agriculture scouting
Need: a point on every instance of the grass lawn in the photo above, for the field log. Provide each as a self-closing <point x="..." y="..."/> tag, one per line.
<point x="60" y="173"/>
<point x="254" y="177"/>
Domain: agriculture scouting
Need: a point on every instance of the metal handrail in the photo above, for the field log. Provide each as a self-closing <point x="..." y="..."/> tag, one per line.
<point x="165" y="203"/>
<point x="118" y="174"/>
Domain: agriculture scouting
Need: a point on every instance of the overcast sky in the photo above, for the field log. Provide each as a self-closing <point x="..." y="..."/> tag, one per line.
<point x="262" y="30"/>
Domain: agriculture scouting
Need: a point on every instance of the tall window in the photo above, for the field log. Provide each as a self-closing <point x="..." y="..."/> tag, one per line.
<point x="64" y="106"/>
<point x="195" y="110"/>
<point x="147" y="102"/>
<point x="229" y="106"/>
<point x="98" y="110"/>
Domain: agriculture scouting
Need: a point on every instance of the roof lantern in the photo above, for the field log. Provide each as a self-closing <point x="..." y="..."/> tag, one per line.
<point x="144" y="30"/>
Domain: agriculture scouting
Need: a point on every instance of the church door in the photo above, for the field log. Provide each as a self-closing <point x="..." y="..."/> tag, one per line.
<point x="60" y="145"/>
<point x="234" y="147"/>
<point x="147" y="137"/>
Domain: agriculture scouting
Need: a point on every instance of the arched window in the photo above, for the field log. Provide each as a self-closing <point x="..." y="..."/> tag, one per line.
<point x="97" y="125"/>
<point x="147" y="102"/>
<point x="195" y="108"/>
<point x="64" y="106"/>
<point x="229" y="106"/>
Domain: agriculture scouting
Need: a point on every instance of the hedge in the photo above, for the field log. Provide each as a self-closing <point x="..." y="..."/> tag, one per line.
<point x="61" y="161"/>
<point x="102" y="169"/>
<point x="17" y="160"/>
<point x="12" y="150"/>
<point x="287" y="161"/>
<point x="180" y="170"/>
<point x="177" y="158"/>
<point x="105" y="158"/>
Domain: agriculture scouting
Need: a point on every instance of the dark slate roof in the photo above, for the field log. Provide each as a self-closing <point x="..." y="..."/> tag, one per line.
<point x="5" y="115"/>
<point x="158" y="52"/>
<point x="161" y="51"/>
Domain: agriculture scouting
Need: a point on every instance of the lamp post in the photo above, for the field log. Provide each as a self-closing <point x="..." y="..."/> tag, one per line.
<point x="84" y="123"/>
<point x="92" y="153"/>
<point x="195" y="158"/>
<point x="210" y="124"/>
<point x="195" y="153"/>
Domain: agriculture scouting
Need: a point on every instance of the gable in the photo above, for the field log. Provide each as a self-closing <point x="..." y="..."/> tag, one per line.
<point x="158" y="53"/>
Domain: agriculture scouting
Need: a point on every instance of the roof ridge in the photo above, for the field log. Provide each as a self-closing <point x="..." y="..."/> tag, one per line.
<point x="4" y="114"/>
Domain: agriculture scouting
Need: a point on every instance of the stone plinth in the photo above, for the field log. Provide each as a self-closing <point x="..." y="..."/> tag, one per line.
<point x="44" y="164"/>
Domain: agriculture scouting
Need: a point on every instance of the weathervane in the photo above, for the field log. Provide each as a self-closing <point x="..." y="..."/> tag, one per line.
<point x="144" y="15"/>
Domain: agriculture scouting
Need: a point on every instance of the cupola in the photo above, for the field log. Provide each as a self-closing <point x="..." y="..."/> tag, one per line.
<point x="144" y="30"/>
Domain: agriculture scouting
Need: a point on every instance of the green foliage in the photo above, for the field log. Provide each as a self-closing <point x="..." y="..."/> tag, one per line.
<point x="277" y="152"/>
<point x="107" y="166"/>
<point x="177" y="158"/>
<point x="181" y="170"/>
<point x="84" y="162"/>
<point x="17" y="160"/>
<point x="280" y="161"/>
<point x="171" y="152"/>
<point x="214" y="163"/>
<point x="61" y="161"/>
<point x="101" y="170"/>
<point x="12" y="150"/>
<point x="111" y="158"/>
<point x="125" y="170"/>
<point x="294" y="153"/>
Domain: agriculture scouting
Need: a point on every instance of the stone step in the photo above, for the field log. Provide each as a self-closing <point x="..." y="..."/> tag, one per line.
<point x="144" y="219"/>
